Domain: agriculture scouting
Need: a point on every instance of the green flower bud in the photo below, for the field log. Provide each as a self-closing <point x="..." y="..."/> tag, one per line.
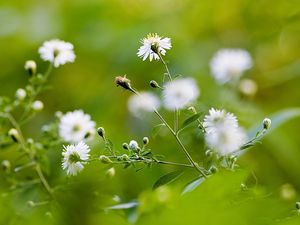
<point x="6" y="166"/>
<point x="146" y="140"/>
<point x="213" y="169"/>
<point x="209" y="153"/>
<point x="111" y="172"/>
<point x="30" y="66"/>
<point x="101" y="132"/>
<point x="123" y="82"/>
<point x="298" y="205"/>
<point x="124" y="157"/>
<point x="125" y="146"/>
<point x="104" y="159"/>
<point x="14" y="134"/>
<point x="154" y="84"/>
<point x="267" y="123"/>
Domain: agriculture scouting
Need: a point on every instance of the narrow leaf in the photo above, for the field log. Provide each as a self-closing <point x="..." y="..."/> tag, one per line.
<point x="167" y="178"/>
<point x="190" y="120"/>
<point x="192" y="185"/>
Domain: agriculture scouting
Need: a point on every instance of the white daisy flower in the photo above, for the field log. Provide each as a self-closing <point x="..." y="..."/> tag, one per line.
<point x="57" y="52"/>
<point x="74" y="158"/>
<point x="217" y="119"/>
<point x="225" y="140"/>
<point x="180" y="93"/>
<point x="76" y="126"/>
<point x="153" y="44"/>
<point x="229" y="64"/>
<point x="142" y="103"/>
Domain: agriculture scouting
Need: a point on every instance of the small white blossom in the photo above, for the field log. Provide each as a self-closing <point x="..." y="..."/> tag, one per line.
<point x="76" y="126"/>
<point x="20" y="94"/>
<point x="229" y="64"/>
<point x="248" y="87"/>
<point x="57" y="52"/>
<point x="37" y="105"/>
<point x="217" y="119"/>
<point x="142" y="103"/>
<point x="133" y="145"/>
<point x="225" y="140"/>
<point x="74" y="158"/>
<point x="30" y="66"/>
<point x="153" y="44"/>
<point x="180" y="93"/>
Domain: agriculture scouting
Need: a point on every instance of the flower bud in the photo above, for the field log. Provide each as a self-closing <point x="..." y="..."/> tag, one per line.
<point x="192" y="108"/>
<point x="124" y="157"/>
<point x="209" y="153"/>
<point x="14" y="134"/>
<point x="104" y="159"/>
<point x="58" y="114"/>
<point x="30" y="66"/>
<point x="248" y="87"/>
<point x="31" y="204"/>
<point x="111" y="172"/>
<point x="125" y="146"/>
<point x="267" y="123"/>
<point x="133" y="145"/>
<point x="37" y="105"/>
<point x="20" y="94"/>
<point x="101" y="132"/>
<point x="123" y="82"/>
<point x="6" y="166"/>
<point x="145" y="140"/>
<point x="213" y="169"/>
<point x="298" y="205"/>
<point x="154" y="84"/>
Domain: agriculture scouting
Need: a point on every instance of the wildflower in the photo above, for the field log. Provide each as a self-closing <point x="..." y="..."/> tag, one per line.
<point x="133" y="145"/>
<point x="180" y="93"/>
<point x="218" y="119"/>
<point x="229" y="64"/>
<point x="74" y="157"/>
<point x="76" y="126"/>
<point x="57" y="52"/>
<point x="144" y="102"/>
<point x="225" y="140"/>
<point x="152" y="46"/>
<point x="37" y="105"/>
<point x="21" y="94"/>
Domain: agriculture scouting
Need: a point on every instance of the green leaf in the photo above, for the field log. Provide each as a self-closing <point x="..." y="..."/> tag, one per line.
<point x="167" y="178"/>
<point x="190" y="120"/>
<point x="127" y="205"/>
<point x="192" y="185"/>
<point x="156" y="129"/>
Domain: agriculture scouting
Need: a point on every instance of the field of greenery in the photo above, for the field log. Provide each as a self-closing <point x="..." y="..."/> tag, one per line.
<point x="153" y="181"/>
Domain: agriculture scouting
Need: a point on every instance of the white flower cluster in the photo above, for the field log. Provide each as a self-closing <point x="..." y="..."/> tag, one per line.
<point x="230" y="64"/>
<point x="223" y="133"/>
<point x="57" y="52"/>
<point x="152" y="45"/>
<point x="76" y="127"/>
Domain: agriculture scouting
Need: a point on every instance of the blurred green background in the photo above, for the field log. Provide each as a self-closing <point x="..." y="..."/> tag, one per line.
<point x="106" y="37"/>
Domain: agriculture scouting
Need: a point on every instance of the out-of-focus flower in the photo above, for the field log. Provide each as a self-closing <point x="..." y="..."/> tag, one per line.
<point x="225" y="140"/>
<point x="144" y="102"/>
<point x="30" y="66"/>
<point x="76" y="126"/>
<point x="37" y="105"/>
<point x="248" y="87"/>
<point x="74" y="158"/>
<point x="180" y="93"/>
<point x="152" y="45"/>
<point x="20" y="94"/>
<point x="230" y="64"/>
<point x="218" y="119"/>
<point x="57" y="52"/>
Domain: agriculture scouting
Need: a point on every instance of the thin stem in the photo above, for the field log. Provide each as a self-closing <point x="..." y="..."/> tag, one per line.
<point x="166" y="66"/>
<point x="43" y="179"/>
